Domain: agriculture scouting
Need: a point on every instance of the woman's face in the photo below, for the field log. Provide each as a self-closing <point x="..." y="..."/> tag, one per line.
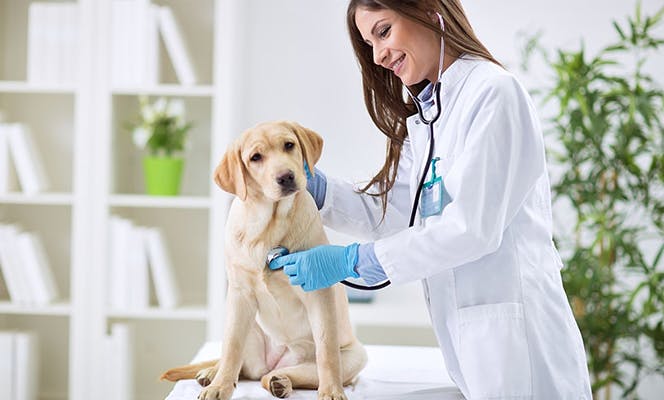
<point x="410" y="50"/>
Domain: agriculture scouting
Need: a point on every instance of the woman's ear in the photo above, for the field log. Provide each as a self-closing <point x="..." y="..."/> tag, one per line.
<point x="230" y="173"/>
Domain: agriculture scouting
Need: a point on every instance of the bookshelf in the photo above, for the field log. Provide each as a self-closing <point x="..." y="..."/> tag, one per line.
<point x="95" y="173"/>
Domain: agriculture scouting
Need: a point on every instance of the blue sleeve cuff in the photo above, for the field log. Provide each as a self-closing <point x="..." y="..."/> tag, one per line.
<point x="317" y="186"/>
<point x="368" y="266"/>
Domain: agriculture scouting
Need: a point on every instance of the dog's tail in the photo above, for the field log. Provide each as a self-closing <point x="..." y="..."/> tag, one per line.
<point x="186" y="371"/>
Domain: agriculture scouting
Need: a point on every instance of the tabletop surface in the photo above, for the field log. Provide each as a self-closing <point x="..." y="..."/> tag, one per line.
<point x="392" y="372"/>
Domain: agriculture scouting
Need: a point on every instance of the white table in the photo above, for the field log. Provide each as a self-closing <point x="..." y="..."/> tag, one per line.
<point x="392" y="373"/>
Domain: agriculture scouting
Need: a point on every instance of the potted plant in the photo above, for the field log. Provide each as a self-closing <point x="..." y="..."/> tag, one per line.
<point x="162" y="130"/>
<point x="608" y="132"/>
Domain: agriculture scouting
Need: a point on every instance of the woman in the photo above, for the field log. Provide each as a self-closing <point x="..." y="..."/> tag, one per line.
<point x="480" y="239"/>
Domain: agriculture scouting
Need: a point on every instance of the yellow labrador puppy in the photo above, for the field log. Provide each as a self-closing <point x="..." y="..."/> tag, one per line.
<point x="276" y="332"/>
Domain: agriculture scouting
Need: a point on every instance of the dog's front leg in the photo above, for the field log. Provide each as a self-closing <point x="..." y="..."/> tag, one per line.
<point x="241" y="311"/>
<point x="321" y="309"/>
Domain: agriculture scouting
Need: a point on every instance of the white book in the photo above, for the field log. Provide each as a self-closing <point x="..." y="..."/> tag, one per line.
<point x="10" y="262"/>
<point x="37" y="18"/>
<point x="7" y="177"/>
<point x="36" y="268"/>
<point x="163" y="274"/>
<point x="148" y="42"/>
<point x="126" y="65"/>
<point x="176" y="47"/>
<point x="138" y="276"/>
<point x="120" y="230"/>
<point x="69" y="29"/>
<point x="119" y="359"/>
<point x="7" y="365"/>
<point x="27" y="159"/>
<point x="27" y="365"/>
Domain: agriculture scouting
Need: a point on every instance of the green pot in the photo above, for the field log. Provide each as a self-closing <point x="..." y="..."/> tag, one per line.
<point x="162" y="175"/>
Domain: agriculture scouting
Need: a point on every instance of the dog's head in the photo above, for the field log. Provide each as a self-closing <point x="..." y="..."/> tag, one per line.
<point x="268" y="160"/>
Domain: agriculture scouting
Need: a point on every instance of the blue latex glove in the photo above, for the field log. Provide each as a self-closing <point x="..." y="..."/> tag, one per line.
<point x="316" y="185"/>
<point x="319" y="267"/>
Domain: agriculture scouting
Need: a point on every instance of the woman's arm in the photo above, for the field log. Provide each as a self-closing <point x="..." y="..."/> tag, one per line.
<point x="345" y="210"/>
<point x="501" y="162"/>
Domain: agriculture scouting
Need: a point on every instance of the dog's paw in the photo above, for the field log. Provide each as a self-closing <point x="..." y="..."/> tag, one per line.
<point x="204" y="376"/>
<point x="280" y="386"/>
<point x="334" y="395"/>
<point x="215" y="393"/>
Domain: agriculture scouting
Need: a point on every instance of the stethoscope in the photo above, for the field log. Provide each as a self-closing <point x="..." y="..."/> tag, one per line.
<point x="280" y="251"/>
<point x="430" y="123"/>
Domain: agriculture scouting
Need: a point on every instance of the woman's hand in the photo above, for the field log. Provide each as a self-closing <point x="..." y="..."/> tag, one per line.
<point x="319" y="267"/>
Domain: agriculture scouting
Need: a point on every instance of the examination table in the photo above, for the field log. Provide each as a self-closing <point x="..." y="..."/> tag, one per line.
<point x="392" y="373"/>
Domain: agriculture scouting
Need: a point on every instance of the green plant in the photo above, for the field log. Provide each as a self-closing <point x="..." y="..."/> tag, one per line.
<point x="609" y="132"/>
<point x="161" y="127"/>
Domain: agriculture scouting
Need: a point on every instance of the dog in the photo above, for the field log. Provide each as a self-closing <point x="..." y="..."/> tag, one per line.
<point x="276" y="332"/>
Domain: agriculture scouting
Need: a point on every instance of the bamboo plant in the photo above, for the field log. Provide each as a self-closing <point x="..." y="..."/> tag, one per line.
<point x="608" y="131"/>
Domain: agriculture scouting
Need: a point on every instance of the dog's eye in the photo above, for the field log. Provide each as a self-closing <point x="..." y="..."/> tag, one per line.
<point x="289" y="145"/>
<point x="256" y="157"/>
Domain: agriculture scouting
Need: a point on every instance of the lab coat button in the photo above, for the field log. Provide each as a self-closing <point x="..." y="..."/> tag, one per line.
<point x="417" y="122"/>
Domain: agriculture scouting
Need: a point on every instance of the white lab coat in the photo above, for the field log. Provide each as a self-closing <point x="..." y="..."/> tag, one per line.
<point x="490" y="271"/>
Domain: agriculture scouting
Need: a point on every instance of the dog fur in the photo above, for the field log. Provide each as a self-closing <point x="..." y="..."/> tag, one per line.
<point x="275" y="332"/>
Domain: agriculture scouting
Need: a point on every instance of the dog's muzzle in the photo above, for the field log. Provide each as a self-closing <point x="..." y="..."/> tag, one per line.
<point x="287" y="182"/>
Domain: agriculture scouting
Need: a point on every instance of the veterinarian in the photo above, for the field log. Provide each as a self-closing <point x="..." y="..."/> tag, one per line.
<point x="470" y="168"/>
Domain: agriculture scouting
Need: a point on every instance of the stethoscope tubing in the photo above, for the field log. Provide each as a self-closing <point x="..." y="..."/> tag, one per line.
<point x="418" y="193"/>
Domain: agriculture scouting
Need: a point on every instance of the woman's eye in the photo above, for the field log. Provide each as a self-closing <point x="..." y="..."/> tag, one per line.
<point x="256" y="157"/>
<point x="384" y="31"/>
<point x="289" y="145"/>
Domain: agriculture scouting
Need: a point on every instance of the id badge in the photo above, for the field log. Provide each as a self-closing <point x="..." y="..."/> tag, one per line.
<point x="432" y="198"/>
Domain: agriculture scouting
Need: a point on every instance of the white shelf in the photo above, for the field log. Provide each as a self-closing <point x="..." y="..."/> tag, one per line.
<point x="55" y="309"/>
<point x="48" y="199"/>
<point x="131" y="200"/>
<point x="188" y="313"/>
<point x="167" y="90"/>
<point x="27" y="87"/>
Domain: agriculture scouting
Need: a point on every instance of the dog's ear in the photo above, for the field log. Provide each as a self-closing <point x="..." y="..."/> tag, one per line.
<point x="310" y="142"/>
<point x="230" y="173"/>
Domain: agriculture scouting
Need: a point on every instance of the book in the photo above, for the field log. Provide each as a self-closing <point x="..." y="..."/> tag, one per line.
<point x="10" y="263"/>
<point x="119" y="236"/>
<point x="29" y="168"/>
<point x="138" y="275"/>
<point x="26" y="365"/>
<point x="134" y="43"/>
<point x="163" y="274"/>
<point x="7" y="365"/>
<point x="7" y="178"/>
<point x="118" y="353"/>
<point x="36" y="269"/>
<point x="176" y="47"/>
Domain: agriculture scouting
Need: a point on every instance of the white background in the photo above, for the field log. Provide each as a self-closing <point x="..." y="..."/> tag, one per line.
<point x="297" y="63"/>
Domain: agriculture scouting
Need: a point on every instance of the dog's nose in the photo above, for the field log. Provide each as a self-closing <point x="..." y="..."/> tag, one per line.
<point x="287" y="179"/>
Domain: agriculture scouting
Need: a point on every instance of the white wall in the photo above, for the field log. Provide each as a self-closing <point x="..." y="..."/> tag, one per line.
<point x="299" y="65"/>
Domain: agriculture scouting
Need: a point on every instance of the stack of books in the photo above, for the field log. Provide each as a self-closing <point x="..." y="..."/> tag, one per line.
<point x="53" y="43"/>
<point x="25" y="268"/>
<point x="135" y="29"/>
<point x="136" y="252"/>
<point x="53" y="35"/>
<point x="19" y="366"/>
<point x="19" y="153"/>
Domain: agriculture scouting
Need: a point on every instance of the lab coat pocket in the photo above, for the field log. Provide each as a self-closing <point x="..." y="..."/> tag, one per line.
<point x="493" y="351"/>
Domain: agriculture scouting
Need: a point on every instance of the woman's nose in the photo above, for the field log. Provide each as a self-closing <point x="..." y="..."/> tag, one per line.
<point x="379" y="54"/>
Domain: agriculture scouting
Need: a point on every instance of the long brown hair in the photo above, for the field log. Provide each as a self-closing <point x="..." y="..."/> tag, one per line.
<point x="383" y="91"/>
